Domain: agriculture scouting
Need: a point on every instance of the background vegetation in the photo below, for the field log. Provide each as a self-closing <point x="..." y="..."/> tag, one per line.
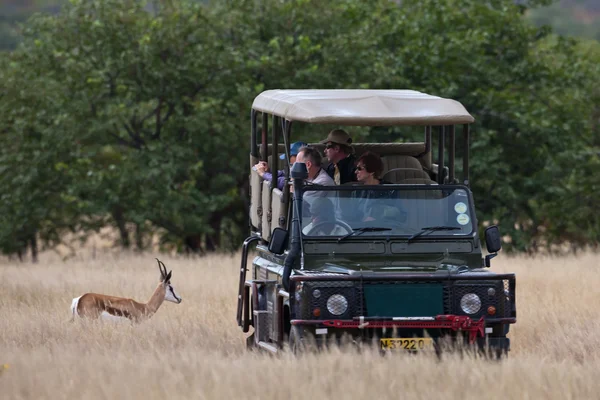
<point x="135" y="114"/>
<point x="570" y="17"/>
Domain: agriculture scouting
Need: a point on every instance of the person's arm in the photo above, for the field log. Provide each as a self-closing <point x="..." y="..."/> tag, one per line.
<point x="280" y="179"/>
<point x="267" y="176"/>
<point x="262" y="168"/>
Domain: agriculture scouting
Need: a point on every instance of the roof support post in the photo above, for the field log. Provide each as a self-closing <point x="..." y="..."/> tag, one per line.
<point x="287" y="128"/>
<point x="466" y="154"/>
<point x="451" y="153"/>
<point x="441" y="140"/>
<point x="253" y="145"/>
<point x="274" y="153"/>
<point x="264" y="137"/>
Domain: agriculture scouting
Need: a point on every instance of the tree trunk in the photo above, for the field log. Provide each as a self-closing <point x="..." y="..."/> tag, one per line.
<point x="139" y="237"/>
<point x="117" y="214"/>
<point x="213" y="240"/>
<point x="193" y="244"/>
<point x="34" y="248"/>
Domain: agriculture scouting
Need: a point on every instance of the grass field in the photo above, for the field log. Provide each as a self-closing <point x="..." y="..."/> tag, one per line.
<point x="195" y="349"/>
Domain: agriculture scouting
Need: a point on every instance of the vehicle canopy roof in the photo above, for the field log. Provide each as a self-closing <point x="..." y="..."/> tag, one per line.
<point x="361" y="107"/>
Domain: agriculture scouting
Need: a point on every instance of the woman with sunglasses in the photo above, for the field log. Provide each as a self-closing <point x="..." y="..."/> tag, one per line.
<point x="369" y="168"/>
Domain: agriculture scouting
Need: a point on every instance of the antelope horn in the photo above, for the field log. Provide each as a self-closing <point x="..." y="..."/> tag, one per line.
<point x="165" y="271"/>
<point x="161" y="267"/>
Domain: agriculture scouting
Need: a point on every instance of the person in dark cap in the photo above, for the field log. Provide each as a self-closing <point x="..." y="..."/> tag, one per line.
<point x="339" y="152"/>
<point x="263" y="168"/>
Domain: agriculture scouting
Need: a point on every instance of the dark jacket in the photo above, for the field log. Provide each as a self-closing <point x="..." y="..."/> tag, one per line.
<point x="347" y="168"/>
<point x="387" y="204"/>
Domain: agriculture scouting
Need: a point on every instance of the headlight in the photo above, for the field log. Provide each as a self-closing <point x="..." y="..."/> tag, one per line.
<point x="337" y="304"/>
<point x="470" y="303"/>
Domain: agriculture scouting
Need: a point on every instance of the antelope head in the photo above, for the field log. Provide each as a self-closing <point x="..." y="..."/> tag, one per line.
<point x="165" y="279"/>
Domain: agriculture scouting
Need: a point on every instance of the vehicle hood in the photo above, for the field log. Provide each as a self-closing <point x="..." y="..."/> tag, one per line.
<point x="443" y="264"/>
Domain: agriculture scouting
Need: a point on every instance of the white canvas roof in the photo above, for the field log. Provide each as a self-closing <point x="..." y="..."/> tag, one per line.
<point x="362" y="107"/>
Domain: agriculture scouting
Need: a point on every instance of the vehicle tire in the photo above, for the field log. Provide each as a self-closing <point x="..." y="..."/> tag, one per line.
<point x="250" y="345"/>
<point x="495" y="347"/>
<point x="295" y="339"/>
<point x="300" y="341"/>
<point x="499" y="354"/>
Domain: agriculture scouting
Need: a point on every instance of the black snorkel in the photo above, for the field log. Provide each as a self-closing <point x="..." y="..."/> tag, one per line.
<point x="299" y="173"/>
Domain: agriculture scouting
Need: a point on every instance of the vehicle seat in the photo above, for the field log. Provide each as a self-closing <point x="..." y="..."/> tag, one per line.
<point x="278" y="210"/>
<point x="256" y="209"/>
<point x="266" y="210"/>
<point x="418" y="181"/>
<point x="401" y="167"/>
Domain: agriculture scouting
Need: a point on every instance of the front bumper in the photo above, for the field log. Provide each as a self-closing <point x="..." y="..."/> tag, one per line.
<point x="474" y="330"/>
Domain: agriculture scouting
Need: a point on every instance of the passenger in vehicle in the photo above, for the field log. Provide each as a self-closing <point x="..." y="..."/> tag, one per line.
<point x="263" y="168"/>
<point x="322" y="220"/>
<point x="339" y="152"/>
<point x="369" y="168"/>
<point x="316" y="174"/>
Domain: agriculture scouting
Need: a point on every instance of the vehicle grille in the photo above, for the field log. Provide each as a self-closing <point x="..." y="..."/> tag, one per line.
<point x="401" y="298"/>
<point x="406" y="299"/>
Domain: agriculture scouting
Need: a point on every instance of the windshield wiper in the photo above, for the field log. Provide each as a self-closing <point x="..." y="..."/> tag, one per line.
<point x="430" y="229"/>
<point x="359" y="231"/>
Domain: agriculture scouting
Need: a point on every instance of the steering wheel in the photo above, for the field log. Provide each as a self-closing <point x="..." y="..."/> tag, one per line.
<point x="344" y="225"/>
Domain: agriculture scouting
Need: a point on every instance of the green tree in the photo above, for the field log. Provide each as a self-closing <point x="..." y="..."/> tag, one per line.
<point x="118" y="113"/>
<point x="148" y="115"/>
<point x="33" y="197"/>
<point x="532" y="96"/>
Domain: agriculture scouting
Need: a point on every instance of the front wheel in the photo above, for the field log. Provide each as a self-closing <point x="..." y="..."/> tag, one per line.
<point x="496" y="347"/>
<point x="295" y="339"/>
<point x="300" y="340"/>
<point x="250" y="345"/>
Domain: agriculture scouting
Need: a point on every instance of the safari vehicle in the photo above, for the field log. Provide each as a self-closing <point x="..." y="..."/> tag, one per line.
<point x="412" y="278"/>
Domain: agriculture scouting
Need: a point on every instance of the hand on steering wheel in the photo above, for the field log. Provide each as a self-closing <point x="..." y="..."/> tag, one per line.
<point x="344" y="225"/>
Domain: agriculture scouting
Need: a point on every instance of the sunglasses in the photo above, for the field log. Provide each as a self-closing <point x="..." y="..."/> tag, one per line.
<point x="330" y="146"/>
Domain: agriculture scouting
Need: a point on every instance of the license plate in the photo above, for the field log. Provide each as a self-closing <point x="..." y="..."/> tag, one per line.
<point x="406" y="343"/>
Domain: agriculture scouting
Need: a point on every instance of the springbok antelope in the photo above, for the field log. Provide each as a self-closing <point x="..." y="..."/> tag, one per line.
<point x="94" y="305"/>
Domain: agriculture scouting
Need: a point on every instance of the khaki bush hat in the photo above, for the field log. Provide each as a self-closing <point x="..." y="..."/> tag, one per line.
<point x="338" y="136"/>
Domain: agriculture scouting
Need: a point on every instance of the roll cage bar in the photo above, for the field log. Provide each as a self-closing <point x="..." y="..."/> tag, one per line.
<point x="283" y="127"/>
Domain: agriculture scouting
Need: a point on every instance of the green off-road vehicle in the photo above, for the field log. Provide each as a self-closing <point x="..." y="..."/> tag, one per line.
<point x="411" y="277"/>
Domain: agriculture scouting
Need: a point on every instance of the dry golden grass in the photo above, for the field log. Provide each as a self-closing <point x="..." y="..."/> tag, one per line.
<point x="195" y="349"/>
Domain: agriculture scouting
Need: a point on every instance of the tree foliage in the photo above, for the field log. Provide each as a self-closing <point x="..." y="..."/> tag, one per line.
<point x="117" y="113"/>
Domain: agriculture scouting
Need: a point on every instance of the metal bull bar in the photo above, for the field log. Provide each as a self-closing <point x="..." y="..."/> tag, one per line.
<point x="453" y="322"/>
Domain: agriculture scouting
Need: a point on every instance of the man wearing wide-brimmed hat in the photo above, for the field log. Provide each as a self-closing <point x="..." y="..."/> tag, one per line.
<point x="339" y="152"/>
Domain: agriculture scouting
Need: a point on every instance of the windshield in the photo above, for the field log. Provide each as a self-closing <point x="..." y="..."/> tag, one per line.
<point x="347" y="212"/>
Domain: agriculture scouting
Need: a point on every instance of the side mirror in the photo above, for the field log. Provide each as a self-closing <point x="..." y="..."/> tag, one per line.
<point x="493" y="243"/>
<point x="279" y="239"/>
